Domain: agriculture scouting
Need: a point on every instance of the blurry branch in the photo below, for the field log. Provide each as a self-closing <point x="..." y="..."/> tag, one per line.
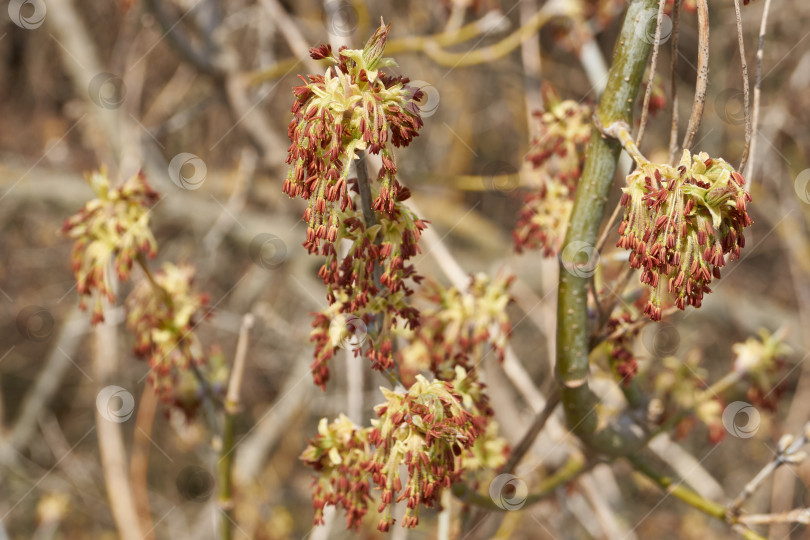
<point x="232" y="409"/>
<point x="222" y="66"/>
<point x="139" y="462"/>
<point x="746" y="90"/>
<point x="673" y="80"/>
<point x="110" y="440"/>
<point x="702" y="75"/>
<point x="433" y="46"/>
<point x="531" y="434"/>
<point x="788" y="452"/>
<point x="645" y="109"/>
<point x="679" y="491"/>
<point x="48" y="382"/>
<point x="749" y="172"/>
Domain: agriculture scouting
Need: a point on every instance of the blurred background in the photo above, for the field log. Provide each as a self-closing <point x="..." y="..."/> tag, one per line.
<point x="206" y="85"/>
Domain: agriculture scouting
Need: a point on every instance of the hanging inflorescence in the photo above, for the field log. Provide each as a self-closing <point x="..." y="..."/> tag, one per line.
<point x="557" y="155"/>
<point x="680" y="223"/>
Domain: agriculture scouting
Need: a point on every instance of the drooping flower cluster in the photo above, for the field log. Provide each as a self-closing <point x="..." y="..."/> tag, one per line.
<point x="164" y="323"/>
<point x="557" y="155"/>
<point x="352" y="107"/>
<point x="456" y="330"/>
<point x="340" y="455"/>
<point x="680" y="223"/>
<point x="363" y="299"/>
<point x="427" y="430"/>
<point x="762" y="359"/>
<point x="114" y="224"/>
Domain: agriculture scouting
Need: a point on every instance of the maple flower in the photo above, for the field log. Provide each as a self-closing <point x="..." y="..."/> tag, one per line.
<point x="557" y="155"/>
<point x="163" y="316"/>
<point x="113" y="225"/>
<point x="353" y="106"/>
<point x="427" y="429"/>
<point x="680" y="223"/>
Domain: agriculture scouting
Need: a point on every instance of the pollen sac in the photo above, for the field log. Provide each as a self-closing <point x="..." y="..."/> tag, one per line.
<point x="680" y="223"/>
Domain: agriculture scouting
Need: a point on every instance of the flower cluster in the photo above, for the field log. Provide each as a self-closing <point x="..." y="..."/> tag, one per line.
<point x="680" y="223"/>
<point x="352" y="107"/>
<point x="114" y="224"/>
<point x="456" y="329"/>
<point x="763" y="361"/>
<point x="557" y="155"/>
<point x="353" y="289"/>
<point x="340" y="454"/>
<point x="163" y="316"/>
<point x="680" y="386"/>
<point x="427" y="430"/>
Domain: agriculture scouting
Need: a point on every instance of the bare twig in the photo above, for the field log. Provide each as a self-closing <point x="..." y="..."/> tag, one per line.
<point x="673" y="70"/>
<point x="749" y="171"/>
<point x="702" y="75"/>
<point x="648" y="91"/>
<point x="232" y="409"/>
<point x="746" y="90"/>
<point x="139" y="462"/>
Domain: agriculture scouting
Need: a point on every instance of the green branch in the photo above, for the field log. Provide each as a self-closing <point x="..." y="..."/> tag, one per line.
<point x="579" y="403"/>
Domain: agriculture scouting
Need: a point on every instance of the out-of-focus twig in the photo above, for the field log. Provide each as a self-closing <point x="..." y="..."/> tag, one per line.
<point x="139" y="462"/>
<point x="645" y="109"/>
<point x="746" y="89"/>
<point x="702" y="75"/>
<point x="749" y="171"/>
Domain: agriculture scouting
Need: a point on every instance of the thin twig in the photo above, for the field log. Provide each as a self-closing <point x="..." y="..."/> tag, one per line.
<point x="702" y="74"/>
<point x="749" y="171"/>
<point x="673" y="69"/>
<point x="232" y="408"/>
<point x="746" y="90"/>
<point x="648" y="91"/>
<point x="139" y="462"/>
<point x="534" y="430"/>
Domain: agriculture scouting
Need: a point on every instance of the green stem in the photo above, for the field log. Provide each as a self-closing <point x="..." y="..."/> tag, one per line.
<point x="624" y="79"/>
<point x="693" y="499"/>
